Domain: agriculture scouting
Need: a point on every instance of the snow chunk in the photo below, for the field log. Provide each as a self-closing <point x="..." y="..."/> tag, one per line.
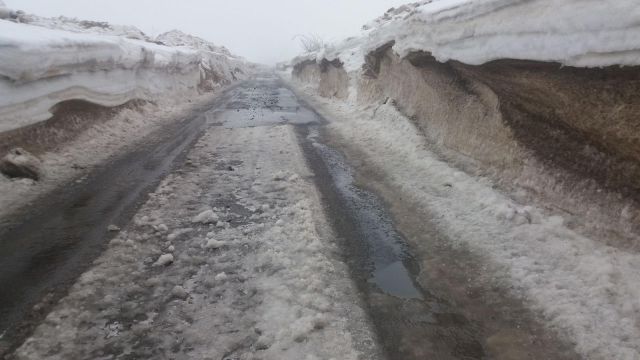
<point x="174" y="235"/>
<point x="113" y="228"/>
<point x="221" y="277"/>
<point x="206" y="217"/>
<point x="179" y="292"/>
<point x="19" y="163"/>
<point x="164" y="259"/>
<point x="214" y="244"/>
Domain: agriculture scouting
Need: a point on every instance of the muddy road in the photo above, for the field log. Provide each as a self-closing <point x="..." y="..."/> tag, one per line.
<point x="44" y="253"/>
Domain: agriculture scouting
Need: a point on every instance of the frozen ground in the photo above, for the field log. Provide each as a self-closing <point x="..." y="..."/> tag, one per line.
<point x="229" y="258"/>
<point x="580" y="287"/>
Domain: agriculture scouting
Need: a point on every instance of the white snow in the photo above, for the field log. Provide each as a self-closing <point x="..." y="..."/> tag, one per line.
<point x="83" y="26"/>
<point x="41" y="67"/>
<point x="584" y="33"/>
<point x="45" y="61"/>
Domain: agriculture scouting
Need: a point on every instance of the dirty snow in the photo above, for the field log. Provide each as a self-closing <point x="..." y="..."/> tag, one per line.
<point x="254" y="290"/>
<point x="581" y="287"/>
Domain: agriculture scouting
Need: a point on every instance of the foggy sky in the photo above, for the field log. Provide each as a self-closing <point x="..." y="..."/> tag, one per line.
<point x="260" y="30"/>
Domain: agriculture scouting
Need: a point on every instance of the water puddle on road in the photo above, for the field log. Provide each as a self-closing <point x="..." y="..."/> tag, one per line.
<point x="411" y="322"/>
<point x="386" y="250"/>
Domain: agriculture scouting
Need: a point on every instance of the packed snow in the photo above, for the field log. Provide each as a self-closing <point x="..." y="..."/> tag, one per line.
<point x="571" y="32"/>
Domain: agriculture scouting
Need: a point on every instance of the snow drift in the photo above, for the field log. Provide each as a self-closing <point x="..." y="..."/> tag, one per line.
<point x="48" y="61"/>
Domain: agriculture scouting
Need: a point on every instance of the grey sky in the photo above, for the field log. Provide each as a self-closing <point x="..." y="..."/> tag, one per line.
<point x="260" y="30"/>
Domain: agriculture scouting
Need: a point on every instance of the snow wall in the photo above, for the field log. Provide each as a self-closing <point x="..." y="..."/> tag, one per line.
<point x="543" y="109"/>
<point x="45" y="62"/>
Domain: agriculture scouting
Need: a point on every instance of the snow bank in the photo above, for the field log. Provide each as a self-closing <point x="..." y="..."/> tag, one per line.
<point x="217" y="64"/>
<point x="84" y="26"/>
<point x="572" y="32"/>
<point x="46" y="61"/>
<point x="562" y="240"/>
<point x="41" y="67"/>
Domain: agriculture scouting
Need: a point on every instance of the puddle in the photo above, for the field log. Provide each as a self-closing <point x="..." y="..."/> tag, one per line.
<point x="387" y="251"/>
<point x="410" y="321"/>
<point x="394" y="279"/>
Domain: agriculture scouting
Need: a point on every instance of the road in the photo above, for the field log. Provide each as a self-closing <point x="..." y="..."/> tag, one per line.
<point x="271" y="249"/>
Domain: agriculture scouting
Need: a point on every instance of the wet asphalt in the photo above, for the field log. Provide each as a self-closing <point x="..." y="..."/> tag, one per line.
<point x="43" y="253"/>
